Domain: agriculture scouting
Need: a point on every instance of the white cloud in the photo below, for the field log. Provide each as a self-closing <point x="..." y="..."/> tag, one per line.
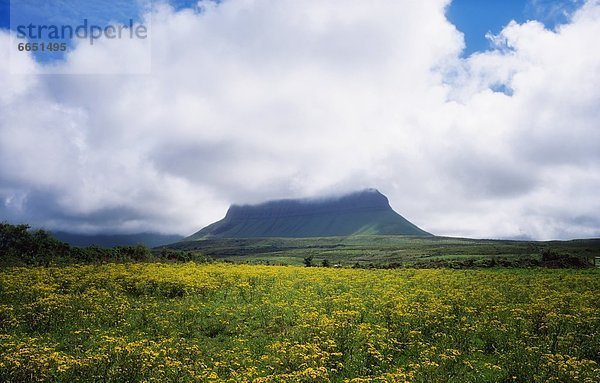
<point x="253" y="100"/>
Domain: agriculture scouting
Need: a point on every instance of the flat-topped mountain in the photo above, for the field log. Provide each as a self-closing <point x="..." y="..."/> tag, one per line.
<point x="366" y="212"/>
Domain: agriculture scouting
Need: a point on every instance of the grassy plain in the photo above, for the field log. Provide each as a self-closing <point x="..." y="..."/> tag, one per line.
<point x="153" y="322"/>
<point x="382" y="250"/>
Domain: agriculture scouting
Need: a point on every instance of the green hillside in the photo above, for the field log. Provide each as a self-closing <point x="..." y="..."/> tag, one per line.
<point x="363" y="213"/>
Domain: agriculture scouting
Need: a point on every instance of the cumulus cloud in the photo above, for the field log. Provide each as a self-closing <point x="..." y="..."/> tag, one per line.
<point x="251" y="100"/>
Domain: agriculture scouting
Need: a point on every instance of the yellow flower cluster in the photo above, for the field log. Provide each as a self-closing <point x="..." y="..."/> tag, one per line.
<point x="253" y="324"/>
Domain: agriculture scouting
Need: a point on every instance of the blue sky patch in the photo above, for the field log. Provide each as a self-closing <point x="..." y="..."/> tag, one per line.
<point x="475" y="18"/>
<point x="55" y="22"/>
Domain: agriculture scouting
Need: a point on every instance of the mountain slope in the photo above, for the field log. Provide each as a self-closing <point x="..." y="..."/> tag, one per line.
<point x="111" y="240"/>
<point x="364" y="212"/>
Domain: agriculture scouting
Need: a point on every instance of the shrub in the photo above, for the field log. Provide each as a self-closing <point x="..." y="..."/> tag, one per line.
<point x="308" y="261"/>
<point x="20" y="245"/>
<point x="551" y="259"/>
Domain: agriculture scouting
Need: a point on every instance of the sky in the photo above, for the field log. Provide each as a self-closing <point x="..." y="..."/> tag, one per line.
<point x="475" y="118"/>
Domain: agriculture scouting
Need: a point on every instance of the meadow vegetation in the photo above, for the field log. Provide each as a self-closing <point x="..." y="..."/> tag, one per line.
<point x="187" y="322"/>
<point x="380" y="251"/>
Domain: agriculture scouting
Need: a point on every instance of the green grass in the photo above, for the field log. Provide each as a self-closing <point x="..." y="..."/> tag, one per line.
<point x="382" y="250"/>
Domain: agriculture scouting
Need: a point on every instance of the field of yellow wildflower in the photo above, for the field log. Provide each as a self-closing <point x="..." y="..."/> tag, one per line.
<point x="239" y="323"/>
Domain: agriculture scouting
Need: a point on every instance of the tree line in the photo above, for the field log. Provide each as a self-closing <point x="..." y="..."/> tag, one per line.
<point x="22" y="246"/>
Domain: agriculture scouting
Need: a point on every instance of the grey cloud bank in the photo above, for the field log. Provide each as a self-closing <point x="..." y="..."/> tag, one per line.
<point x="250" y="101"/>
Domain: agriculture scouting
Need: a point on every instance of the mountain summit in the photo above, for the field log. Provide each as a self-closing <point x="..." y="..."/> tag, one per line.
<point x="366" y="212"/>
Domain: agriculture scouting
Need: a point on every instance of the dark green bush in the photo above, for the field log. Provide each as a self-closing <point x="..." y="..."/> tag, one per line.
<point x="21" y="246"/>
<point x="552" y="259"/>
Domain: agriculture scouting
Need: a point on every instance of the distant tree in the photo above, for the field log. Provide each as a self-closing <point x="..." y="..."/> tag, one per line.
<point x="133" y="253"/>
<point x="12" y="236"/>
<point x="308" y="261"/>
<point x="37" y="247"/>
<point x="92" y="253"/>
<point x="325" y="263"/>
<point x="552" y="259"/>
<point x="183" y="256"/>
